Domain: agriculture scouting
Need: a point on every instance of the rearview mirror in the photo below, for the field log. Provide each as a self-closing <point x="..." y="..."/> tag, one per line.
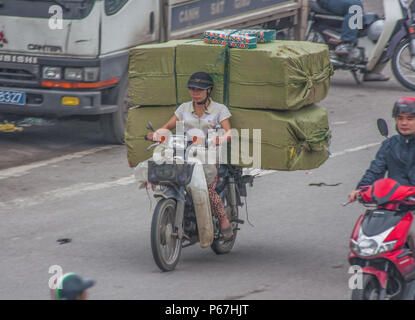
<point x="383" y="127"/>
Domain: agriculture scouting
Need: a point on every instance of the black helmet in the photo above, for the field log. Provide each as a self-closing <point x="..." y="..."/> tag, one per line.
<point x="200" y="80"/>
<point x="404" y="105"/>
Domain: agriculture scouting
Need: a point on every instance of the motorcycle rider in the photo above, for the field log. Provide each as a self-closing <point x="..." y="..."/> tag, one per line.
<point x="204" y="114"/>
<point x="349" y="35"/>
<point x="396" y="155"/>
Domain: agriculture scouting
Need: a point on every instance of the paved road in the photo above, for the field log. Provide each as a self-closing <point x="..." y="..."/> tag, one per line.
<point x="297" y="248"/>
<point x="85" y="192"/>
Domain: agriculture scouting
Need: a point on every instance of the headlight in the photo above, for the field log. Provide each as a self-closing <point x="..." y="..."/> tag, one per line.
<point x="74" y="74"/>
<point x="372" y="246"/>
<point x="177" y="142"/>
<point x="52" y="73"/>
<point x="386" y="246"/>
<point x="367" y="247"/>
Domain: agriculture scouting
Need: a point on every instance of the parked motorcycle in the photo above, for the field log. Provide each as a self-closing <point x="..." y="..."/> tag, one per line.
<point x="379" y="241"/>
<point x="391" y="38"/>
<point x="174" y="224"/>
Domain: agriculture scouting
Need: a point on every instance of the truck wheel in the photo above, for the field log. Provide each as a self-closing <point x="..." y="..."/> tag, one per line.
<point x="113" y="124"/>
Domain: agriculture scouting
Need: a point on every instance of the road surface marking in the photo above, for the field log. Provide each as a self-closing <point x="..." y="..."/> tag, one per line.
<point x="366" y="146"/>
<point x="22" y="170"/>
<point x="67" y="192"/>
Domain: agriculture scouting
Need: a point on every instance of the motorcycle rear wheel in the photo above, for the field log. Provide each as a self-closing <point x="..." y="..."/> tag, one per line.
<point x="401" y="65"/>
<point x="370" y="289"/>
<point x="166" y="246"/>
<point x="219" y="246"/>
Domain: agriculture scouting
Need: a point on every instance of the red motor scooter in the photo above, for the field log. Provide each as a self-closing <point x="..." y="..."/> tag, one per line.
<point x="379" y="243"/>
<point x="380" y="248"/>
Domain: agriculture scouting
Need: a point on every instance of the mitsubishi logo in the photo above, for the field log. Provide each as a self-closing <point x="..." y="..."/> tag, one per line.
<point x="3" y="40"/>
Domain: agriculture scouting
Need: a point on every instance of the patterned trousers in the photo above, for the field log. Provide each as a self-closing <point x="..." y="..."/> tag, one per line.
<point x="216" y="202"/>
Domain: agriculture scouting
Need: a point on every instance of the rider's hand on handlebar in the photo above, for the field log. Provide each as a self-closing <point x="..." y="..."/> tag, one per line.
<point x="353" y="195"/>
<point x="156" y="136"/>
<point x="150" y="136"/>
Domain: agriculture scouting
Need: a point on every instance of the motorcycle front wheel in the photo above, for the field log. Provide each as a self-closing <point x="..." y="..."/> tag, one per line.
<point x="370" y="289"/>
<point x="401" y="65"/>
<point x="165" y="245"/>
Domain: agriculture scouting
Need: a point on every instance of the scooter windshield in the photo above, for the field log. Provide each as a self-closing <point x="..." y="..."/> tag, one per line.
<point x="378" y="221"/>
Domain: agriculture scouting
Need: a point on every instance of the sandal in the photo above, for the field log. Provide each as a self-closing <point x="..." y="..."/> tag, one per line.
<point x="227" y="233"/>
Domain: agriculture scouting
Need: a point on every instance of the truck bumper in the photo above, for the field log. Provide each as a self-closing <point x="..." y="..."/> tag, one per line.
<point x="48" y="102"/>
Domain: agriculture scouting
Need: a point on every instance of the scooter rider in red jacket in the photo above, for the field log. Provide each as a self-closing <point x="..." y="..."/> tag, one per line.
<point x="396" y="156"/>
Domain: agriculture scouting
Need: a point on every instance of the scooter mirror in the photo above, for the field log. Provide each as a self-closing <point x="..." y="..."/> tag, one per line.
<point x="150" y="126"/>
<point x="383" y="127"/>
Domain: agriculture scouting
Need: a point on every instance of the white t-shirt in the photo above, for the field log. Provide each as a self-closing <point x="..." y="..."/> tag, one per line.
<point x="214" y="115"/>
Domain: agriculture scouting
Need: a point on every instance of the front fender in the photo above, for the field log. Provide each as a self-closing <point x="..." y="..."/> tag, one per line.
<point x="394" y="42"/>
<point x="169" y="193"/>
<point x="382" y="276"/>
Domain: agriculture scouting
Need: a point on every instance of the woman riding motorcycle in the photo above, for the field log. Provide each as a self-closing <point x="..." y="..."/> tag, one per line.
<point x="203" y="113"/>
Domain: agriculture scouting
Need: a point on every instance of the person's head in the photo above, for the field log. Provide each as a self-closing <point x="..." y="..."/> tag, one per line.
<point x="73" y="287"/>
<point x="200" y="87"/>
<point x="404" y="114"/>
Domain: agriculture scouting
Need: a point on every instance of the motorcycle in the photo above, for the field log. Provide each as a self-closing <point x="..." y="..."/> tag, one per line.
<point x="379" y="241"/>
<point x="381" y="40"/>
<point x="175" y="223"/>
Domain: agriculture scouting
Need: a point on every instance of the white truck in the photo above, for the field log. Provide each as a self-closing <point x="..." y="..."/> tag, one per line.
<point x="63" y="58"/>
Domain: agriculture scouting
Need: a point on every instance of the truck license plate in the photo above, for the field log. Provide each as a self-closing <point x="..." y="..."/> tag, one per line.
<point x="12" y="97"/>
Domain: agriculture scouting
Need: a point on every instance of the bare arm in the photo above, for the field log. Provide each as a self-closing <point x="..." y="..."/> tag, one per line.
<point x="226" y="125"/>
<point x="171" y="124"/>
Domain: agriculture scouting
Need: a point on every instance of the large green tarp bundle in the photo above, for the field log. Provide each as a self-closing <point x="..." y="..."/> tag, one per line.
<point x="290" y="140"/>
<point x="152" y="74"/>
<point x="136" y="129"/>
<point x="281" y="75"/>
<point x="193" y="56"/>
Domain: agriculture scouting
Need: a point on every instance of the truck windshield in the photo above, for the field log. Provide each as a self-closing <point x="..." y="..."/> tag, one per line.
<point x="69" y="9"/>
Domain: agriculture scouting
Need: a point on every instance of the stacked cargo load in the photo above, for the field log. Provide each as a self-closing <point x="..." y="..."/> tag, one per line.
<point x="273" y="87"/>
<point x="289" y="140"/>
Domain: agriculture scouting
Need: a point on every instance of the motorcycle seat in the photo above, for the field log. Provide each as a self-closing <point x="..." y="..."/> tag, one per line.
<point x="315" y="7"/>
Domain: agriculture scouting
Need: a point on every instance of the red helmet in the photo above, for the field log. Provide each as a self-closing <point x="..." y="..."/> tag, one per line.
<point x="404" y="105"/>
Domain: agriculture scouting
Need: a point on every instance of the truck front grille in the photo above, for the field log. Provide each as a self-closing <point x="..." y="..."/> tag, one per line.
<point x="16" y="74"/>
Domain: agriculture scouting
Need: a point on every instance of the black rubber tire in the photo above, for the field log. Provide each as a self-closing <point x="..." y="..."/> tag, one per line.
<point x="161" y="227"/>
<point x="113" y="124"/>
<point x="395" y="66"/>
<point x="370" y="289"/>
<point x="218" y="245"/>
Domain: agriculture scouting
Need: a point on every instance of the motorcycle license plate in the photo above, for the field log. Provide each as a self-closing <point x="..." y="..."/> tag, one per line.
<point x="12" y="97"/>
